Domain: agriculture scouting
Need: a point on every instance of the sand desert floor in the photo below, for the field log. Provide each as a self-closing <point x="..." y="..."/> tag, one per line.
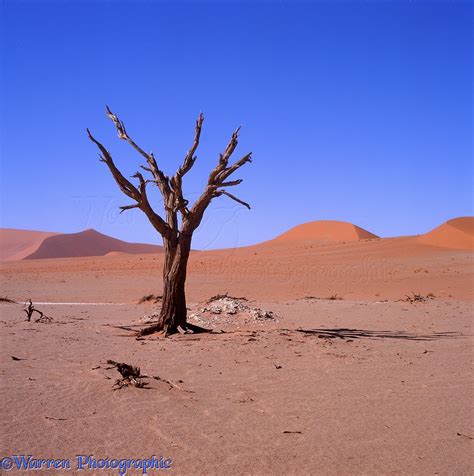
<point x="391" y="393"/>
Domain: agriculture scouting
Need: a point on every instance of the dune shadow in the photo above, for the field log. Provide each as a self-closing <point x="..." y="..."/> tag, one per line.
<point x="345" y="333"/>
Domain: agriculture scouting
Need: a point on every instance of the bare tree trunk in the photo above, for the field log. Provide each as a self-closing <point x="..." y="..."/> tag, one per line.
<point x="173" y="311"/>
<point x="173" y="314"/>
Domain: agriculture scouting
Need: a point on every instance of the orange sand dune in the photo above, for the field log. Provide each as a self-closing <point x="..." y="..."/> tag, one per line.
<point x="17" y="244"/>
<point x="326" y="230"/>
<point x="87" y="243"/>
<point x="457" y="233"/>
<point x="387" y="268"/>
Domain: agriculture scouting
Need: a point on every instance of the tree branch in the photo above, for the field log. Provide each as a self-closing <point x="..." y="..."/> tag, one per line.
<point x="129" y="207"/>
<point x="230" y="183"/>
<point x="224" y="158"/>
<point x="216" y="180"/>
<point x="125" y="186"/>
<point x="139" y="195"/>
<point x="190" y="158"/>
<point x="171" y="190"/>
<point x="177" y="180"/>
<point x="233" y="197"/>
<point x="122" y="132"/>
<point x="229" y="171"/>
<point x="161" y="179"/>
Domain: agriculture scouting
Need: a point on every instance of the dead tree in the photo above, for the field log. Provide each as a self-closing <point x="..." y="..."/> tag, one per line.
<point x="30" y="309"/>
<point x="180" y="220"/>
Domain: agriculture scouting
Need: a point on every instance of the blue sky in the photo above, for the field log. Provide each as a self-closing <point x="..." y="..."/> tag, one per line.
<point x="356" y="111"/>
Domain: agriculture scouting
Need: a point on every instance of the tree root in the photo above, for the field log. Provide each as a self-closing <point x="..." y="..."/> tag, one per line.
<point x="158" y="327"/>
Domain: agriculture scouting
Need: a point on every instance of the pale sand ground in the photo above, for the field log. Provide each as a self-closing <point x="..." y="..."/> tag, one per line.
<point x="392" y="405"/>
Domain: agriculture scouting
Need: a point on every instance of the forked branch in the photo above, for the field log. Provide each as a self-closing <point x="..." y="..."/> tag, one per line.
<point x="161" y="179"/>
<point x="216" y="180"/>
<point x="137" y="194"/>
<point x="172" y="189"/>
<point x="229" y="171"/>
<point x="177" y="180"/>
<point x="125" y="185"/>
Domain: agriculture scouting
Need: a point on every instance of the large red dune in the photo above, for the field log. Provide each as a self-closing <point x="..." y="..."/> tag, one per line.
<point x="87" y="243"/>
<point x="457" y="233"/>
<point x="17" y="244"/>
<point x="27" y="244"/>
<point x="326" y="230"/>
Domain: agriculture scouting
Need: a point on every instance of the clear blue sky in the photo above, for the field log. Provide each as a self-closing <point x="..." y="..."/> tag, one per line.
<point x="357" y="111"/>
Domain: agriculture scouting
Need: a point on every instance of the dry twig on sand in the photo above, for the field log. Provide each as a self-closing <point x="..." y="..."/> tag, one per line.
<point x="8" y="300"/>
<point x="30" y="309"/>
<point x="415" y="297"/>
<point x="131" y="375"/>
<point x="218" y="297"/>
<point x="334" y="297"/>
<point x="150" y="298"/>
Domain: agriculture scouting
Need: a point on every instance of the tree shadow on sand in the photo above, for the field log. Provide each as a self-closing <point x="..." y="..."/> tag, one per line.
<point x="344" y="333"/>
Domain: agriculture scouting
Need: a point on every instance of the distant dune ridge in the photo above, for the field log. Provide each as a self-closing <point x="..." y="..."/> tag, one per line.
<point x="457" y="233"/>
<point x="326" y="230"/>
<point x="15" y="245"/>
<point x="23" y="244"/>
